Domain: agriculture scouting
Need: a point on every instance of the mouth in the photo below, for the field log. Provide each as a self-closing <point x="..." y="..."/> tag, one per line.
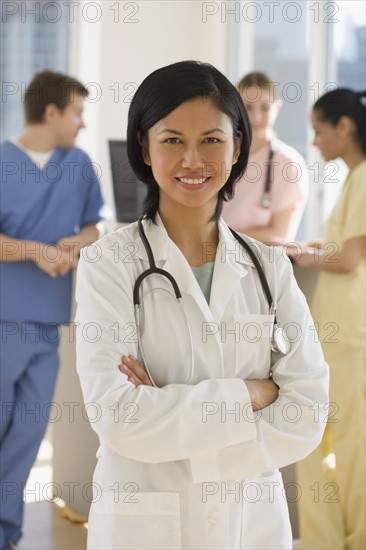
<point x="193" y="182"/>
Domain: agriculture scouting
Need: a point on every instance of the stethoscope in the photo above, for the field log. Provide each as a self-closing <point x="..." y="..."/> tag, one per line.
<point x="266" y="199"/>
<point x="278" y="342"/>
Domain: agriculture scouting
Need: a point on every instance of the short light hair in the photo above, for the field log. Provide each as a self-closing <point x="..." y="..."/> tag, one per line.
<point x="260" y="80"/>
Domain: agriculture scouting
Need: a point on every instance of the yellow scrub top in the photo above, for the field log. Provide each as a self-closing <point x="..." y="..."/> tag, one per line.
<point x="337" y="518"/>
<point x="338" y="305"/>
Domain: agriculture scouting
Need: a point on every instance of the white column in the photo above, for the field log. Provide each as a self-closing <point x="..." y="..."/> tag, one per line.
<point x="317" y="80"/>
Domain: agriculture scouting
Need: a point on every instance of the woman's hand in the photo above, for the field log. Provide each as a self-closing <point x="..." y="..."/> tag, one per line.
<point x="304" y="254"/>
<point x="262" y="393"/>
<point x="316" y="244"/>
<point x="134" y="371"/>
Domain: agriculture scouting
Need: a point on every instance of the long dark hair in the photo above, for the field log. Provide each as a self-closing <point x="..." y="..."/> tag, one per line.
<point x="344" y="102"/>
<point x="162" y="92"/>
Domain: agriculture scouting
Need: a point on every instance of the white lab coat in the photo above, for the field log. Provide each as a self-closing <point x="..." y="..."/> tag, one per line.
<point x="191" y="466"/>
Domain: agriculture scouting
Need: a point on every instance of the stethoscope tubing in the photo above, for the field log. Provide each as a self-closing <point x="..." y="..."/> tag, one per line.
<point x="260" y="271"/>
<point x="156" y="270"/>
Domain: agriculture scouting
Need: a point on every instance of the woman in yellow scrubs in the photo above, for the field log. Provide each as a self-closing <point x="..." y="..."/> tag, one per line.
<point x="332" y="478"/>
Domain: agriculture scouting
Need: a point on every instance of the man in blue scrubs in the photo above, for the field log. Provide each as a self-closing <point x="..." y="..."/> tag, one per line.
<point x="50" y="205"/>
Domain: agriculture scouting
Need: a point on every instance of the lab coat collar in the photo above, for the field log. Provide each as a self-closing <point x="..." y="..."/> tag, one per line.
<point x="157" y="237"/>
<point x="229" y="250"/>
<point x="231" y="265"/>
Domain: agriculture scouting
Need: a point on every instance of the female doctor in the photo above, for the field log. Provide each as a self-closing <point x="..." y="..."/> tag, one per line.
<point x="338" y="306"/>
<point x="204" y="368"/>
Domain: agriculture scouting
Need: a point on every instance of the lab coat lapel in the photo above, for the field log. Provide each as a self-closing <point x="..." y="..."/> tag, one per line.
<point x="168" y="257"/>
<point x="231" y="265"/>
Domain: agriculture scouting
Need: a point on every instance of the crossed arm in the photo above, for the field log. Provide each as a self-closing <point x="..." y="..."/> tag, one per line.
<point x="262" y="392"/>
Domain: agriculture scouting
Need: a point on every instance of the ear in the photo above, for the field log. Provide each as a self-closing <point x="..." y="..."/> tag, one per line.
<point x="345" y="126"/>
<point x="145" y="155"/>
<point x="237" y="142"/>
<point x="50" y="112"/>
<point x="144" y="150"/>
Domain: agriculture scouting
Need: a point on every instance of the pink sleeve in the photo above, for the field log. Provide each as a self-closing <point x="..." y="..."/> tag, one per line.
<point x="290" y="185"/>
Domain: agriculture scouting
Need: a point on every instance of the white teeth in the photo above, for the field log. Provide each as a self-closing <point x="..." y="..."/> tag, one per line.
<point x="192" y="181"/>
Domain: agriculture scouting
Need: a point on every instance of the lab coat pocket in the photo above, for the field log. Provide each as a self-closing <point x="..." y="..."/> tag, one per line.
<point x="135" y="521"/>
<point x="253" y="345"/>
<point x="266" y="522"/>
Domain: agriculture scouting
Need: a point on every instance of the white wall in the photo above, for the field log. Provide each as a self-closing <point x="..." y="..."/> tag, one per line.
<point x="117" y="54"/>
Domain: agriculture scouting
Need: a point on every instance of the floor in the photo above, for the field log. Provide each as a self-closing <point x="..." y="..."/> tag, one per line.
<point x="45" y="527"/>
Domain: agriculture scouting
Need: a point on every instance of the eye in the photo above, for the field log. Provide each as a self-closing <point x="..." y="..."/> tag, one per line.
<point x="212" y="140"/>
<point x="172" y="140"/>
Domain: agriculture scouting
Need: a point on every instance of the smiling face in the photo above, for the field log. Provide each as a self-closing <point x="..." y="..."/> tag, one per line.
<point x="262" y="110"/>
<point x="191" y="152"/>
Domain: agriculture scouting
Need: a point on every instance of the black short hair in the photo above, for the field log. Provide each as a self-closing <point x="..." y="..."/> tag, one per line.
<point x="163" y="91"/>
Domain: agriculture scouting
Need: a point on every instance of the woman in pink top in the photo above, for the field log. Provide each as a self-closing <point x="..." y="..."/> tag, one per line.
<point x="269" y="199"/>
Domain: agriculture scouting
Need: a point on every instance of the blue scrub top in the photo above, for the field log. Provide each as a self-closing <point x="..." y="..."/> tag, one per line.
<point x="43" y="205"/>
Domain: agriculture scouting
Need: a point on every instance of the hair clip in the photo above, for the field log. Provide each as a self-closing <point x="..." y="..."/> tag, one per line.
<point x="363" y="100"/>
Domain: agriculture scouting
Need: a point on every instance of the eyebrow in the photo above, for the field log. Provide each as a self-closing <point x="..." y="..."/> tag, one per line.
<point x="171" y="131"/>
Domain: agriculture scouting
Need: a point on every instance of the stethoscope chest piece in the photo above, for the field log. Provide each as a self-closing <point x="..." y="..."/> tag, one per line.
<point x="279" y="343"/>
<point x="266" y="200"/>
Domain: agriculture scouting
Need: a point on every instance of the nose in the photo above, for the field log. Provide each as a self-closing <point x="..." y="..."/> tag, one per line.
<point x="82" y="124"/>
<point x="192" y="158"/>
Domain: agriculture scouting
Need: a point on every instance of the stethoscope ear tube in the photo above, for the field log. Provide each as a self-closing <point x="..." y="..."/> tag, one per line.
<point x="138" y="330"/>
<point x="266" y="199"/>
<point x="278" y="342"/>
<point x="137" y="318"/>
<point x="153" y="269"/>
<point x="137" y="306"/>
<point x="260" y="270"/>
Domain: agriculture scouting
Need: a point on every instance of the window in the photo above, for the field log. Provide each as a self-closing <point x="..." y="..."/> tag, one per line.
<point x="34" y="37"/>
<point x="350" y="45"/>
